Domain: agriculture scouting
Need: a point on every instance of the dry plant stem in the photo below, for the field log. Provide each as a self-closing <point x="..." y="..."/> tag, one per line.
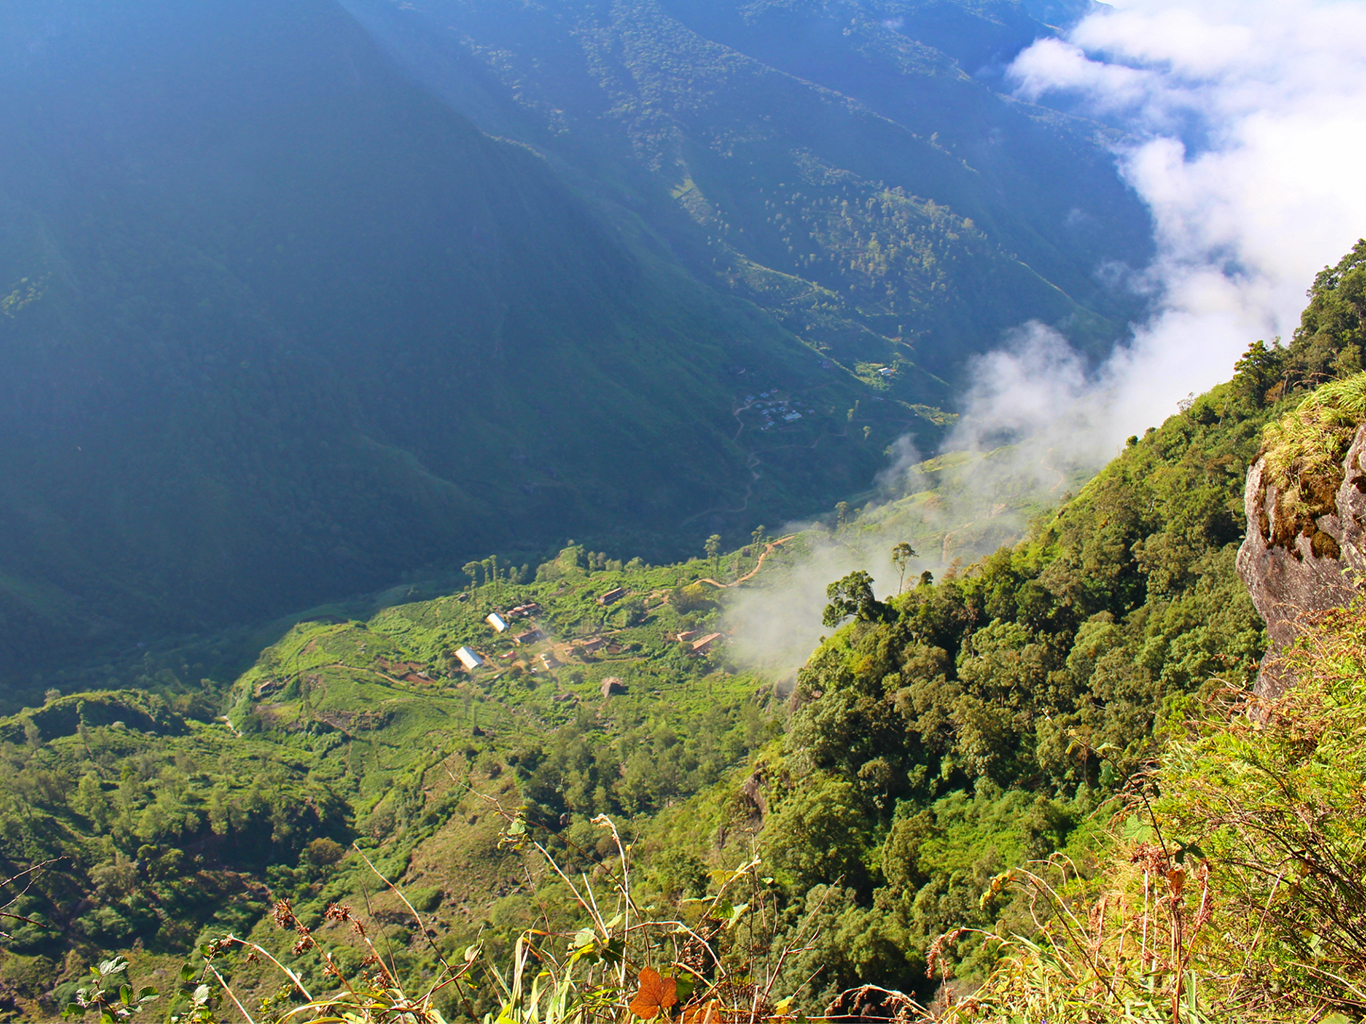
<point x="1123" y="932"/>
<point x="791" y="948"/>
<point x="1067" y="914"/>
<point x="760" y="998"/>
<point x="1139" y="778"/>
<point x="1176" y="960"/>
<point x="809" y="979"/>
<point x="589" y="904"/>
<point x="421" y="925"/>
<point x="294" y="978"/>
<point x="593" y="900"/>
<point x="690" y="931"/>
<point x="5" y="912"/>
<point x="893" y="993"/>
<point x="1144" y="957"/>
<point x="1314" y="969"/>
<point x="602" y="821"/>
<point x="1186" y="948"/>
<point x="235" y="1002"/>
<point x="369" y="913"/>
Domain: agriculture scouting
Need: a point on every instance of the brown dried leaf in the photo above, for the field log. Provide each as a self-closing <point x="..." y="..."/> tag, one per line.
<point x="656" y="995"/>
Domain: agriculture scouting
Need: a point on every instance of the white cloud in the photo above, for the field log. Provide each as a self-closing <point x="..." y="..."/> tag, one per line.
<point x="1248" y="118"/>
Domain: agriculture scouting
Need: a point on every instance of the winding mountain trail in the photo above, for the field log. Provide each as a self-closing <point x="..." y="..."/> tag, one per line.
<point x="752" y="459"/>
<point x="1062" y="479"/>
<point x="757" y="565"/>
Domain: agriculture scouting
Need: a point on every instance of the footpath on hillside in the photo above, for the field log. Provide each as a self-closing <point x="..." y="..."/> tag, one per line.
<point x="757" y="565"/>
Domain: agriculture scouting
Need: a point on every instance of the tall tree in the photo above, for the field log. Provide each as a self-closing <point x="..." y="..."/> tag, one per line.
<point x="852" y="595"/>
<point x="713" y="550"/>
<point x="902" y="554"/>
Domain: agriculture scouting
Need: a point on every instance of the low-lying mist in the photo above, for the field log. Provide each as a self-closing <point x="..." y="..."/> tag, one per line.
<point x="1241" y="125"/>
<point x="1026" y="439"/>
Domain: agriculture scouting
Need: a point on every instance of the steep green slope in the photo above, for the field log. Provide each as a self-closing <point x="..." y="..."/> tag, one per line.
<point x="948" y="734"/>
<point x="1226" y="885"/>
<point x="975" y="723"/>
<point x="838" y="163"/>
<point x="278" y="327"/>
<point x="929" y="752"/>
<point x="173" y="824"/>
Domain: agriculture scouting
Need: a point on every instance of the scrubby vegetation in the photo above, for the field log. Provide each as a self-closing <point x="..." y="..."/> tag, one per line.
<point x="1228" y="886"/>
<point x="1304" y="454"/>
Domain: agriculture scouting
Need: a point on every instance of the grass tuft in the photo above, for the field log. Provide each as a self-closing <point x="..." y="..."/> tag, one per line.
<point x="1303" y="453"/>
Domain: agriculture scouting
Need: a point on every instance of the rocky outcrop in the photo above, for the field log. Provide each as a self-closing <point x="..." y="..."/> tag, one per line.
<point x="1292" y="578"/>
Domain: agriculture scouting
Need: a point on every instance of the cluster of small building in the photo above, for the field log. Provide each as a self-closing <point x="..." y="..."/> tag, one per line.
<point x="472" y="660"/>
<point x="501" y="624"/>
<point x="772" y="408"/>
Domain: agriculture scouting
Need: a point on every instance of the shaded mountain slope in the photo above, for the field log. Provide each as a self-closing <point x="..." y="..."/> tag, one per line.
<point x="829" y="161"/>
<point x="278" y="326"/>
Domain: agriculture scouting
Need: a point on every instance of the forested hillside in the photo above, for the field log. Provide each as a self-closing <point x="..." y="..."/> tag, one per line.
<point x="936" y="745"/>
<point x="326" y="324"/>
<point x="850" y="167"/>
<point x="953" y="732"/>
<point x="164" y="823"/>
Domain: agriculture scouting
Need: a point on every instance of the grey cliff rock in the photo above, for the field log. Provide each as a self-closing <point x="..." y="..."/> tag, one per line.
<point x="1314" y="572"/>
